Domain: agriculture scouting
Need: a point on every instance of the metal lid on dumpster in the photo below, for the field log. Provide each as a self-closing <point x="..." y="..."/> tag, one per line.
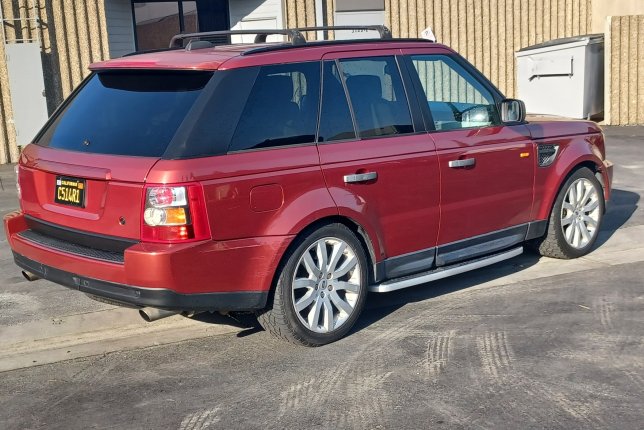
<point x="588" y="39"/>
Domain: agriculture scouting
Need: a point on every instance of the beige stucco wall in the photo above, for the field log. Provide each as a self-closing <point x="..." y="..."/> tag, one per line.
<point x="624" y="88"/>
<point x="486" y="32"/>
<point x="73" y="35"/>
<point x="602" y="9"/>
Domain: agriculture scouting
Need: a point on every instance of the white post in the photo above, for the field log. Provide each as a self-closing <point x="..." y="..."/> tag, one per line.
<point x="319" y="18"/>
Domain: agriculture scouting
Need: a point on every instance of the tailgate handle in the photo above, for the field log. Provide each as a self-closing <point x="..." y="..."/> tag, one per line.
<point x="360" y="177"/>
<point x="455" y="164"/>
<point x="74" y="170"/>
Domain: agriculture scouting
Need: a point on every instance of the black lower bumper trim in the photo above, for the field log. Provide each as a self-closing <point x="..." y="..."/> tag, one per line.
<point x="157" y="298"/>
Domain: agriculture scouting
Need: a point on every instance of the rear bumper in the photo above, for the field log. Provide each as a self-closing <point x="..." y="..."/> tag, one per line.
<point x="157" y="297"/>
<point x="208" y="275"/>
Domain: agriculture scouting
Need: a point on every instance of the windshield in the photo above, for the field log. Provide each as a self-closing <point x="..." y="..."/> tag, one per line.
<point x="130" y="112"/>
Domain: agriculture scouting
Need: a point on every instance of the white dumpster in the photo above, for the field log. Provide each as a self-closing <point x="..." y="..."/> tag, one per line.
<point x="563" y="77"/>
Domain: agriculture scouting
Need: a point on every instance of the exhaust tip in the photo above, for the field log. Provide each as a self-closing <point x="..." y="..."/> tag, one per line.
<point x="30" y="276"/>
<point x="144" y="315"/>
<point x="154" y="314"/>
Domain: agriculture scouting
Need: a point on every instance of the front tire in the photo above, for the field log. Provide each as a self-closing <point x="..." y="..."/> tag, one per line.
<point x="321" y="288"/>
<point x="575" y="219"/>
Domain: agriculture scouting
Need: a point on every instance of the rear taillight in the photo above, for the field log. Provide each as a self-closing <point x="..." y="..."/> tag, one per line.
<point x="174" y="213"/>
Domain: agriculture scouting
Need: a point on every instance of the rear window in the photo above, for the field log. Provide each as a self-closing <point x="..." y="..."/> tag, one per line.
<point x="133" y="113"/>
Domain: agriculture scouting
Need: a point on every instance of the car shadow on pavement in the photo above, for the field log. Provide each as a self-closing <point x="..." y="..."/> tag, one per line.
<point x="379" y="305"/>
<point x="619" y="210"/>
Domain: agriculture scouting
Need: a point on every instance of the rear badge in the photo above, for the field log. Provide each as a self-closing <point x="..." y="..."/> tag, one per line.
<point x="70" y="191"/>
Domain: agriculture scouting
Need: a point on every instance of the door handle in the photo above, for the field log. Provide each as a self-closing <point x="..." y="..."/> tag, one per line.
<point x="360" y="177"/>
<point x="455" y="164"/>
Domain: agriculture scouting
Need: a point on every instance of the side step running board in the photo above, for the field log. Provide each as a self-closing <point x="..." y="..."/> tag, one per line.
<point x="443" y="272"/>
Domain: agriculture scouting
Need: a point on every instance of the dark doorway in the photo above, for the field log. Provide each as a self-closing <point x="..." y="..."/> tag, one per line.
<point x="155" y="22"/>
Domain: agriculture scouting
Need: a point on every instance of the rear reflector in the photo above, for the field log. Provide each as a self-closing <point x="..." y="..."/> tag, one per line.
<point x="174" y="213"/>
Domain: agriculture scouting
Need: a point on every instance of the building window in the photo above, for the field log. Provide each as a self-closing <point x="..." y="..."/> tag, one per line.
<point x="157" y="21"/>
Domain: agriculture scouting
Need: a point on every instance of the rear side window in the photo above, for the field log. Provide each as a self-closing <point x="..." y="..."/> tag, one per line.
<point x="335" y="117"/>
<point x="377" y="96"/>
<point x="126" y="112"/>
<point x="282" y="108"/>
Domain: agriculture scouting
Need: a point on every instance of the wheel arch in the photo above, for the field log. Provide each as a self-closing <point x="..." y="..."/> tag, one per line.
<point x="351" y="224"/>
<point x="552" y="188"/>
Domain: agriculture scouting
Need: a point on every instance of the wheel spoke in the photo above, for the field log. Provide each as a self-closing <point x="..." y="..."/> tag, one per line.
<point x="320" y="250"/>
<point x="314" y="314"/>
<point x="567" y="206"/>
<point x="572" y="196"/>
<point x="328" y="316"/>
<point x="569" y="232"/>
<point x="310" y="265"/>
<point x="341" y="304"/>
<point x="567" y="220"/>
<point x="336" y="253"/>
<point x="305" y="300"/>
<point x="303" y="283"/>
<point x="579" y="191"/>
<point x="584" y="232"/>
<point x="589" y="220"/>
<point x="347" y="286"/>
<point x="576" y="236"/>
<point x="348" y="264"/>
<point x="591" y="206"/>
<point x="587" y="195"/>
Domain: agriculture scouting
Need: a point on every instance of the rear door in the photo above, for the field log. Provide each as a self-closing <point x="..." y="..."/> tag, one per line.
<point x="380" y="168"/>
<point x="88" y="166"/>
<point x="487" y="168"/>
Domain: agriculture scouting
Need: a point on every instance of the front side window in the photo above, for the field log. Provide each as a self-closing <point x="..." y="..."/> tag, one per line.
<point x="455" y="98"/>
<point x="377" y="96"/>
<point x="282" y="108"/>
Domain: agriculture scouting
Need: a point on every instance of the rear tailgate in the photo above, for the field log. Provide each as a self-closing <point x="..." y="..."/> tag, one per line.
<point x="112" y="189"/>
<point x="88" y="166"/>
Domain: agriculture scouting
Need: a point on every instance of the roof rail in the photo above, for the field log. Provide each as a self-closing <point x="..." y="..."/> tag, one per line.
<point x="260" y="36"/>
<point x="384" y="32"/>
<point x="295" y="34"/>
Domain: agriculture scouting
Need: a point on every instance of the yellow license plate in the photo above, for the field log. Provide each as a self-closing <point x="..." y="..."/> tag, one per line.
<point x="70" y="191"/>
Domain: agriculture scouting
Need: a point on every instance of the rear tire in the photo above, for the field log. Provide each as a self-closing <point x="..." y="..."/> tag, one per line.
<point x="321" y="288"/>
<point x="575" y="219"/>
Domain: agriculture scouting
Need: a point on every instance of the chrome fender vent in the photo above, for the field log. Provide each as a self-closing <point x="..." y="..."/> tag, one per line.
<point x="547" y="154"/>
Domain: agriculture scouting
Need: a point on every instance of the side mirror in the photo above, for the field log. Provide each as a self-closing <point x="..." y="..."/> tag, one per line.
<point x="512" y="110"/>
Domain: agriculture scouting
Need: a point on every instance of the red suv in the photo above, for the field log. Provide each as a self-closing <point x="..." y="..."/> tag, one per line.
<point x="290" y="179"/>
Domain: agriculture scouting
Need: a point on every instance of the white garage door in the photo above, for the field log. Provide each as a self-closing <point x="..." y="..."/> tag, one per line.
<point x="255" y="15"/>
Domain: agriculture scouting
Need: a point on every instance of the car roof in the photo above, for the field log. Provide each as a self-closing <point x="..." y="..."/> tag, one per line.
<point x="253" y="54"/>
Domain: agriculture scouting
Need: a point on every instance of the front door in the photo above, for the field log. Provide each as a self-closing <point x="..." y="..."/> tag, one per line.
<point x="380" y="168"/>
<point x="487" y="167"/>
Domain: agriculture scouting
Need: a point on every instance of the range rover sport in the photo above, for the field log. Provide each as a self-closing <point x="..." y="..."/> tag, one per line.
<point x="289" y="179"/>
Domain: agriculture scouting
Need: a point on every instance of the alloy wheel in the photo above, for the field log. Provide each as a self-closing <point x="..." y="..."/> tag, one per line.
<point x="326" y="285"/>
<point x="580" y="213"/>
